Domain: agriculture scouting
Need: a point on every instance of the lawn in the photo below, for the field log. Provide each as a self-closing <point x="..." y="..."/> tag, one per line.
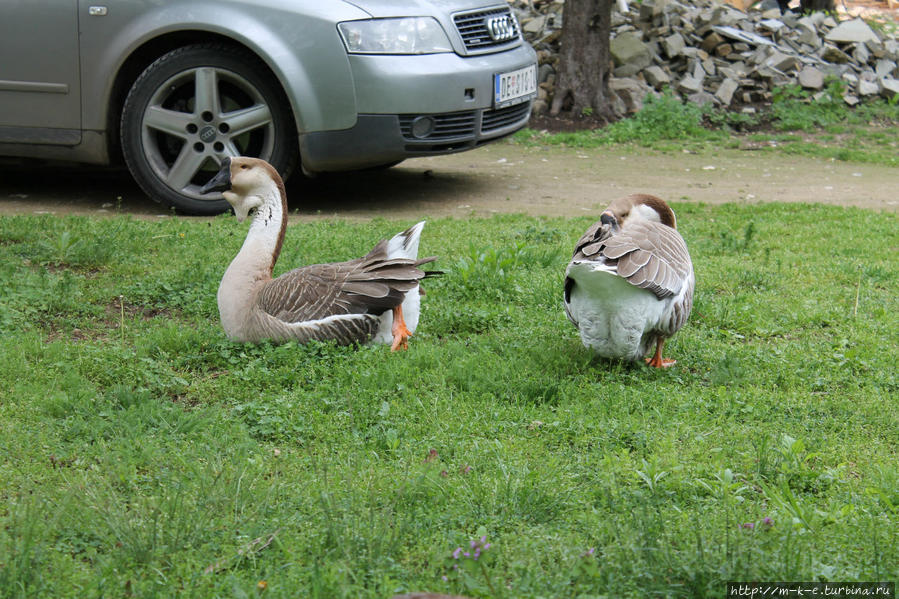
<point x="146" y="455"/>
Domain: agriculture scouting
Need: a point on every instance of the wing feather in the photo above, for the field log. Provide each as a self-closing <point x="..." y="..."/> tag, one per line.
<point x="590" y="242"/>
<point x="368" y="285"/>
<point x="649" y="255"/>
<point x="652" y="256"/>
<point x="631" y="264"/>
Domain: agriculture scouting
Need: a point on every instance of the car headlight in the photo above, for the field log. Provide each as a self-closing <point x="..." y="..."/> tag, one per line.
<point x="407" y="35"/>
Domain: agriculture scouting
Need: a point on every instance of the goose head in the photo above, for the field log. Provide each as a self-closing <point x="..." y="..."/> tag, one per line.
<point x="637" y="207"/>
<point x="246" y="183"/>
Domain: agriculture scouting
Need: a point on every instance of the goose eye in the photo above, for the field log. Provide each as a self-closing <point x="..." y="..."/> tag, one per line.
<point x="244" y="166"/>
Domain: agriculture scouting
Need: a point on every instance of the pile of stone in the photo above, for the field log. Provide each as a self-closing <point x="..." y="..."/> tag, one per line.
<point x="709" y="52"/>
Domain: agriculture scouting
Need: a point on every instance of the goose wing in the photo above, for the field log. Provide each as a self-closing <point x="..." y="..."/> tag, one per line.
<point x="650" y="255"/>
<point x="368" y="285"/>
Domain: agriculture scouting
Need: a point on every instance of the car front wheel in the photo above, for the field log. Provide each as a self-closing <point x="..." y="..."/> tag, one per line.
<point x="192" y="108"/>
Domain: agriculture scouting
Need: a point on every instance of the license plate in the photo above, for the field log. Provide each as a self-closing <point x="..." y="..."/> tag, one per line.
<point x="515" y="86"/>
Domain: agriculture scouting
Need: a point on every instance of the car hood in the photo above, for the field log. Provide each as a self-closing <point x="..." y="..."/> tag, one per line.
<point x="403" y="8"/>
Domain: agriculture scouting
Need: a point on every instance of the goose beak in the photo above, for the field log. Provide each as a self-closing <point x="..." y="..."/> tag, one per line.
<point x="222" y="179"/>
<point x="608" y="220"/>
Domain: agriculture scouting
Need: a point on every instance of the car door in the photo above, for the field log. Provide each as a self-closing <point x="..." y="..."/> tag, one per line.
<point x="40" y="100"/>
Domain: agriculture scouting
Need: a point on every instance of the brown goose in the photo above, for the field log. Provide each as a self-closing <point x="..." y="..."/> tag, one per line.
<point x="373" y="298"/>
<point x="630" y="281"/>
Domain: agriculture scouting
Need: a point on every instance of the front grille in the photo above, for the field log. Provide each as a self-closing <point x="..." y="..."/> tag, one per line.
<point x="473" y="28"/>
<point x="503" y="117"/>
<point x="446" y="126"/>
<point x="459" y="130"/>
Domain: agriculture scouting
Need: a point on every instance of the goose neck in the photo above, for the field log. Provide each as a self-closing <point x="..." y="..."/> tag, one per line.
<point x="266" y="234"/>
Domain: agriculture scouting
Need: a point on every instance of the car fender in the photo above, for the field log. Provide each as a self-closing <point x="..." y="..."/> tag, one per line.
<point x="304" y="52"/>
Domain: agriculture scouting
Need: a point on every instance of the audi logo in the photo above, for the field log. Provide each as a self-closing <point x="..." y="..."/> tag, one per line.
<point x="501" y="29"/>
<point x="207" y="133"/>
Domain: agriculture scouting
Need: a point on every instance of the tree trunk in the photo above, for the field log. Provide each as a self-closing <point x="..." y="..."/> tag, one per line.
<point x="582" y="82"/>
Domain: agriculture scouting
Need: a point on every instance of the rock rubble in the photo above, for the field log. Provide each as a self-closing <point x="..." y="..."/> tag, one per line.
<point x="710" y="52"/>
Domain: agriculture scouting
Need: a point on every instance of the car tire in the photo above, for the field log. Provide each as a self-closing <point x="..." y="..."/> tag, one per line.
<point x="192" y="108"/>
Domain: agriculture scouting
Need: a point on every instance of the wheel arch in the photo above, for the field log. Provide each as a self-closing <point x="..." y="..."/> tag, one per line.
<point x="328" y="104"/>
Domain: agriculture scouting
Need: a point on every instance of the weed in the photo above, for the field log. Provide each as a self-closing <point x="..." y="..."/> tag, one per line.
<point x="794" y="108"/>
<point x="495" y="269"/>
<point x="732" y="243"/>
<point x="61" y="249"/>
<point x="273" y="419"/>
<point x="470" y="567"/>
<point x="24" y="545"/>
<point x="662" y="118"/>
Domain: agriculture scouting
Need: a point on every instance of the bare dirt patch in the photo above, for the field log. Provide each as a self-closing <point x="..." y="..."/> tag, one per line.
<point x="498" y="178"/>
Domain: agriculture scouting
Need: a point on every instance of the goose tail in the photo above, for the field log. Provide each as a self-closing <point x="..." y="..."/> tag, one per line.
<point x="405" y="244"/>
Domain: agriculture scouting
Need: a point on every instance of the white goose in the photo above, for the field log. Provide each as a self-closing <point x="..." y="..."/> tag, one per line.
<point x="630" y="281"/>
<point x="373" y="298"/>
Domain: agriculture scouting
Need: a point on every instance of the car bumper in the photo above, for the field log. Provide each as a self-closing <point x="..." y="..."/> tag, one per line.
<point x="452" y="95"/>
<point x="379" y="139"/>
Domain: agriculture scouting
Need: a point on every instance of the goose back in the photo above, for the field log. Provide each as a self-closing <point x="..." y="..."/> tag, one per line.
<point x="630" y="279"/>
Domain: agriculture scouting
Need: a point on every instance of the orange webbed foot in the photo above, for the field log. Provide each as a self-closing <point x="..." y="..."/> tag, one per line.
<point x="661" y="363"/>
<point x="657" y="361"/>
<point x="400" y="332"/>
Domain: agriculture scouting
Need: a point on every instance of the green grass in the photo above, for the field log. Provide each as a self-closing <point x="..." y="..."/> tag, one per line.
<point x="145" y="455"/>
<point x="821" y="126"/>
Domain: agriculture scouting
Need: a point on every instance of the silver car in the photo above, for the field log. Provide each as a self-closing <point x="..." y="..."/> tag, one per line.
<point x="173" y="87"/>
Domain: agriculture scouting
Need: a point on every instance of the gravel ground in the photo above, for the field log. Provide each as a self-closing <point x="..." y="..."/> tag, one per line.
<point x="498" y="178"/>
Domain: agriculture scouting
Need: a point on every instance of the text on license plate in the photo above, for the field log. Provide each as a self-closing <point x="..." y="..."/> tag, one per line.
<point x="513" y="86"/>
